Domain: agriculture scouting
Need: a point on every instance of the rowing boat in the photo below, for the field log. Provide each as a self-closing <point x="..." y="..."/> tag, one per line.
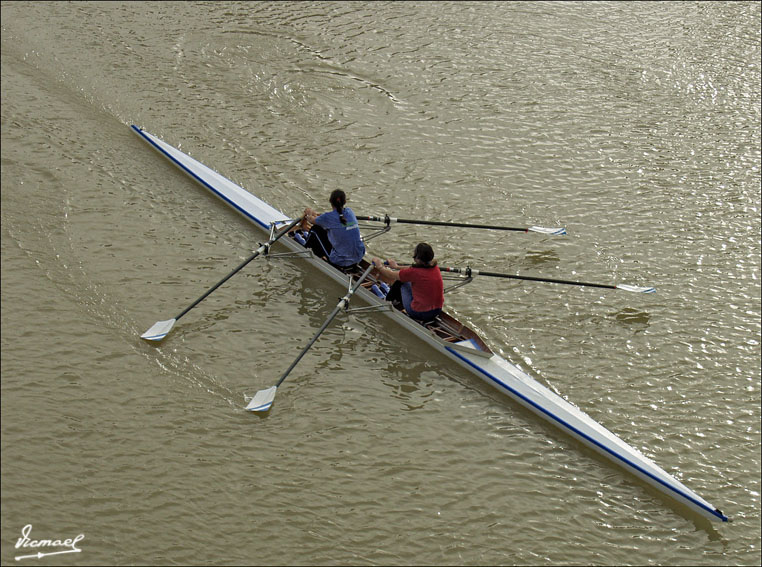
<point x="452" y="338"/>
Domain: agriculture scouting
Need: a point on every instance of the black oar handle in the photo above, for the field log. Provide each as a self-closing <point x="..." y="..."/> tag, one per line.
<point x="386" y="219"/>
<point x="468" y="272"/>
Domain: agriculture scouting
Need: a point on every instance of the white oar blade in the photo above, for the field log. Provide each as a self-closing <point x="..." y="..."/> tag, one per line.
<point x="551" y="231"/>
<point x="636" y="289"/>
<point x="262" y="400"/>
<point x="159" y="330"/>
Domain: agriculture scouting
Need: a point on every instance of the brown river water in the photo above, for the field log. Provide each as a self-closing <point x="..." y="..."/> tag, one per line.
<point x="636" y="126"/>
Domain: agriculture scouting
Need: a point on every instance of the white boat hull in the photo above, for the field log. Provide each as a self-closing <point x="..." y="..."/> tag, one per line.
<point x="490" y="367"/>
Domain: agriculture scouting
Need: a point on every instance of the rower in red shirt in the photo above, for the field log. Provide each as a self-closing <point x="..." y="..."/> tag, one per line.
<point x="419" y="287"/>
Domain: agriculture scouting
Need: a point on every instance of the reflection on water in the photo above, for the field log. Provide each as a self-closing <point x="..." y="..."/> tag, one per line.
<point x="634" y="319"/>
<point x="542" y="257"/>
<point x="409" y="382"/>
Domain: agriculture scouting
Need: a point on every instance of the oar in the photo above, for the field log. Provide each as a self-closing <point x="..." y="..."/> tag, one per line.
<point x="160" y="329"/>
<point x="263" y="399"/>
<point x="468" y="272"/>
<point x="388" y="220"/>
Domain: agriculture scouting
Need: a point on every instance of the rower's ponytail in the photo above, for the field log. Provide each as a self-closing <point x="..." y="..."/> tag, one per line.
<point x="338" y="200"/>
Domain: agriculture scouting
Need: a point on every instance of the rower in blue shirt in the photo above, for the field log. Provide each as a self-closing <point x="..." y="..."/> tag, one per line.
<point x="335" y="235"/>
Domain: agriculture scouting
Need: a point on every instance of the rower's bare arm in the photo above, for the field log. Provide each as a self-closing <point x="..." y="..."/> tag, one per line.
<point x="384" y="273"/>
<point x="308" y="219"/>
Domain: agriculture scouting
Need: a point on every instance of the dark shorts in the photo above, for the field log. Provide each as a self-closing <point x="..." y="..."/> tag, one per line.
<point x="318" y="242"/>
<point x="403" y="292"/>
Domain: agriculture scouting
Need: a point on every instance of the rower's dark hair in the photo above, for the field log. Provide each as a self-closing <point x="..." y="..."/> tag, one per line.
<point x="338" y="200"/>
<point x="424" y="253"/>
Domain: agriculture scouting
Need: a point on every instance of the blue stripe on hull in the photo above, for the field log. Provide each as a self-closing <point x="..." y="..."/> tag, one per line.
<point x="587" y="438"/>
<point x="199" y="180"/>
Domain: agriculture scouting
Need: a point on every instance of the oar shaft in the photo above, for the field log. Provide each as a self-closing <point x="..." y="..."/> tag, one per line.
<point x="240" y="266"/>
<point x="388" y="220"/>
<point x="341" y="305"/>
<point x="470" y="272"/>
